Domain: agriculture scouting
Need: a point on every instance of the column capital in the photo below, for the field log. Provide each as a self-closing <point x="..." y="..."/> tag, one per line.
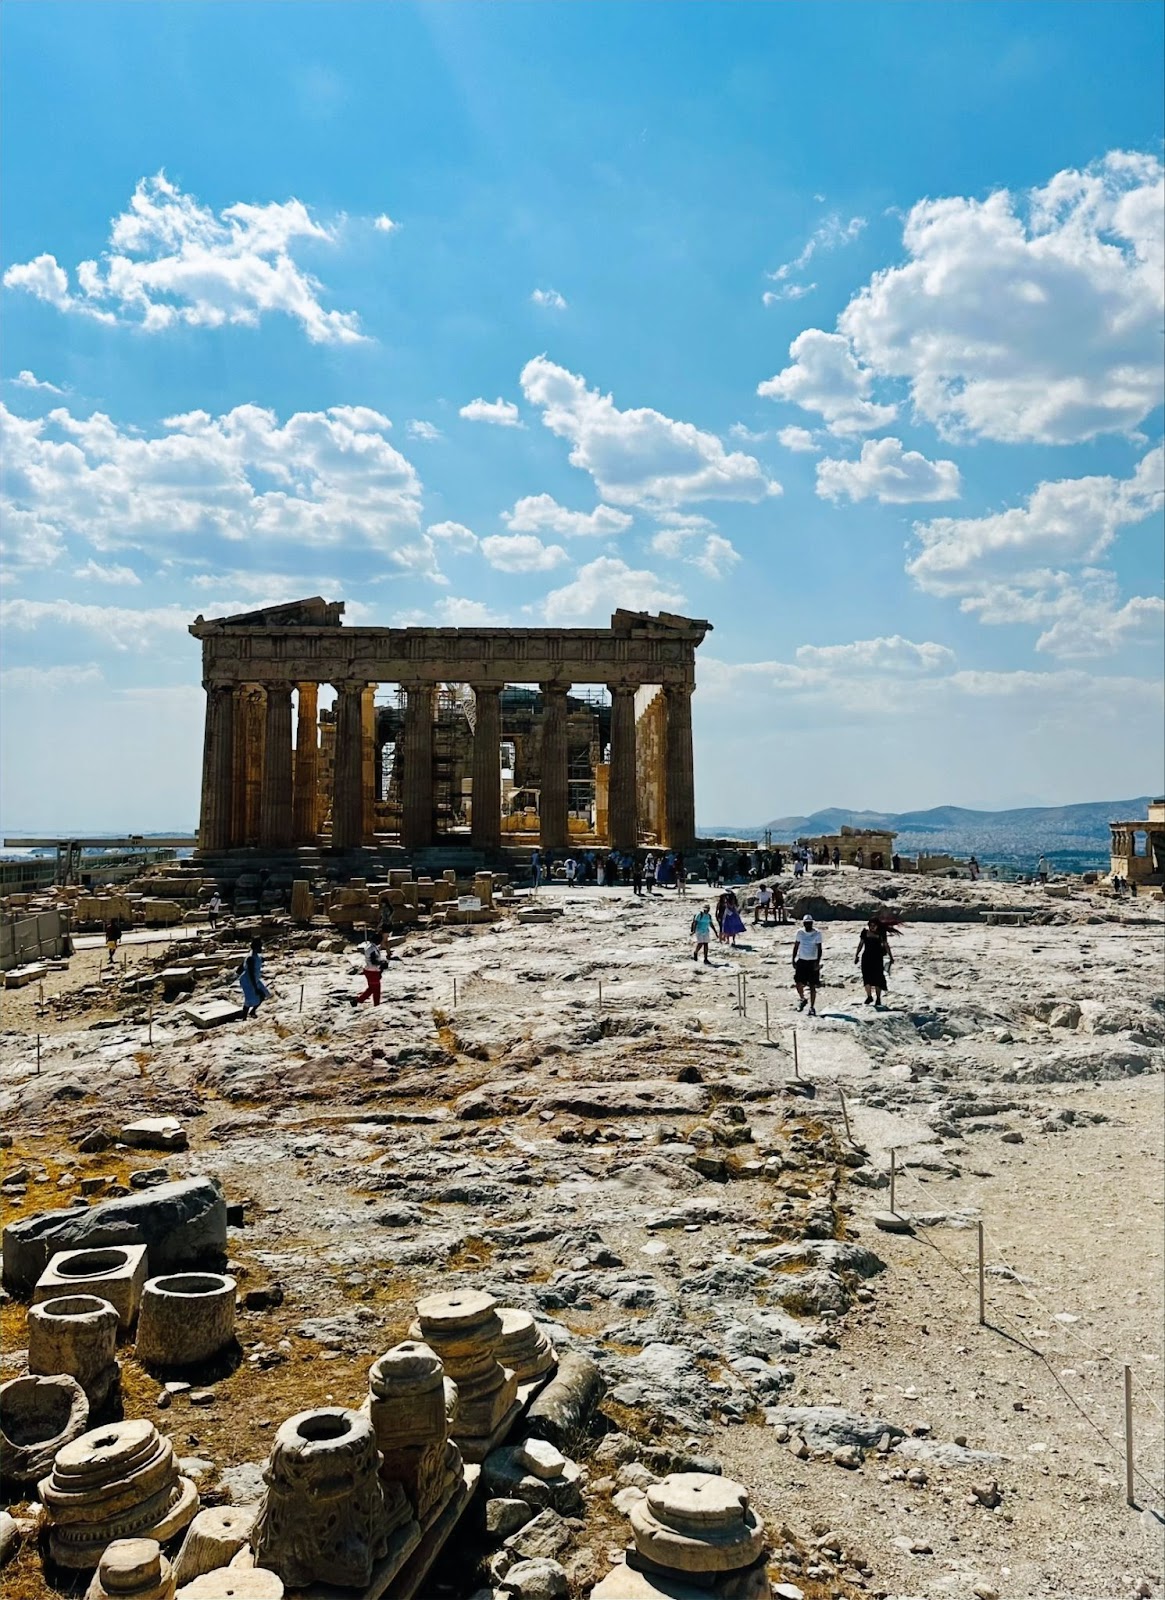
<point x="487" y="688"/>
<point x="555" y="686"/>
<point x="349" y="685"/>
<point x="678" y="689"/>
<point x="279" y="686"/>
<point x="623" y="686"/>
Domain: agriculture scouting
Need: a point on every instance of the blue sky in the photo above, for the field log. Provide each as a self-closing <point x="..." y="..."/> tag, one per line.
<point x="839" y="325"/>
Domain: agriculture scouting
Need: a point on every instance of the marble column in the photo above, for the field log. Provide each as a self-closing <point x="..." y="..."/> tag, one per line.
<point x="368" y="763"/>
<point x="679" y="777"/>
<point x="348" y="777"/>
<point x="275" y="789"/>
<point x="305" y="811"/>
<point x="486" y="829"/>
<point x="622" y="826"/>
<point x="553" y="803"/>
<point x="247" y="763"/>
<point x="417" y="799"/>
<point x="214" y="826"/>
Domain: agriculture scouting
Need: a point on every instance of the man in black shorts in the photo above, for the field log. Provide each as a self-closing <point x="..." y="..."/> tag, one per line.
<point x="807" y="964"/>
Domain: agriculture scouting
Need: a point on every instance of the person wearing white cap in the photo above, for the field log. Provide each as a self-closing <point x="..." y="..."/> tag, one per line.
<point x="807" y="963"/>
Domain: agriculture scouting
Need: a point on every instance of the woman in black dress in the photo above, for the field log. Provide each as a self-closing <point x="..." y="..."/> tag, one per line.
<point x="875" y="955"/>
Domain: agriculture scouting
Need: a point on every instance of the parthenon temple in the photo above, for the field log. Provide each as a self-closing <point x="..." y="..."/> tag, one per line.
<point x="490" y="735"/>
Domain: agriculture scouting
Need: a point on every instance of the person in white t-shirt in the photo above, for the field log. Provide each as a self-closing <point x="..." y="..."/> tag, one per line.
<point x="807" y="964"/>
<point x="764" y="904"/>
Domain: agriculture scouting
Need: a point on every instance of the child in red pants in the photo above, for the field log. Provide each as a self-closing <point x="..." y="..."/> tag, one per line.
<point x="374" y="963"/>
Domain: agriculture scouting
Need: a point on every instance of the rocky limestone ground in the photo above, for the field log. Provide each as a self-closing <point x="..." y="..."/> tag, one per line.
<point x="574" y="1116"/>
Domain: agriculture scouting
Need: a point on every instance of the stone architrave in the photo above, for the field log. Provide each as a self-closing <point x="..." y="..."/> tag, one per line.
<point x="679" y="787"/>
<point x="465" y="1331"/>
<point x="486" y="829"/>
<point x="553" y="800"/>
<point x="305" y="819"/>
<point x="116" y="1482"/>
<point x="417" y="758"/>
<point x="409" y="1410"/>
<point x="348" y="779"/>
<point x="214" y="826"/>
<point x="275" y="799"/>
<point x="325" y="1516"/>
<point x="622" y="814"/>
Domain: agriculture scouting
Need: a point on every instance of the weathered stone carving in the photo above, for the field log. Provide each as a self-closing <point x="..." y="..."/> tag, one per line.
<point x="186" y="1318"/>
<point x="117" y="1482"/>
<point x="115" y="1272"/>
<point x="38" y="1416"/>
<point x="212" y="1540"/>
<point x="325" y="1516"/>
<point x="76" y="1334"/>
<point x="409" y="1408"/>
<point x="465" y="1331"/>
<point x="698" y="1525"/>
<point x="135" y="1569"/>
<point x="524" y="1348"/>
<point x="239" y="1583"/>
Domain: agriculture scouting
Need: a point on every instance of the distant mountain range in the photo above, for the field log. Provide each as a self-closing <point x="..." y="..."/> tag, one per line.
<point x="1070" y="836"/>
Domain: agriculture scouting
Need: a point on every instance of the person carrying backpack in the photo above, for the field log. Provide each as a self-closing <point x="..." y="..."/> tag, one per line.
<point x="375" y="962"/>
<point x="701" y="931"/>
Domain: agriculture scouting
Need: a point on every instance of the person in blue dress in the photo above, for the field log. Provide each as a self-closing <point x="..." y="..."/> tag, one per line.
<point x="255" y="991"/>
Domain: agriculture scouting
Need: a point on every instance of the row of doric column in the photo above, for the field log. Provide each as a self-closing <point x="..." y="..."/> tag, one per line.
<point x="258" y="787"/>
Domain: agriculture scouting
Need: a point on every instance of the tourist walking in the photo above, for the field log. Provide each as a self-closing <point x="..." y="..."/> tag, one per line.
<point x="807" y="964"/>
<point x="972" y="867"/>
<point x="214" y="910"/>
<point x="782" y="916"/>
<point x="571" y="871"/>
<point x="701" y="931"/>
<point x="636" y="874"/>
<point x="375" y="962"/>
<point x="681" y="876"/>
<point x="112" y="938"/>
<point x="255" y="991"/>
<point x="732" y="922"/>
<point x="536" y="868"/>
<point x="836" y="858"/>
<point x="876" y="958"/>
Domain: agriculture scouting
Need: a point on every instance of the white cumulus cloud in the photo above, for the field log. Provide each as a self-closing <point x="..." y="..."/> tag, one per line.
<point x="95" y="572"/>
<point x="1029" y="317"/>
<point x="549" y="298"/>
<point x="319" y="478"/>
<point x="384" y="223"/>
<point x="1033" y="564"/>
<point x="639" y="457"/>
<point x="171" y="260"/>
<point x="454" y="535"/>
<point x="502" y="413"/>
<point x="1072" y="519"/>
<point x="893" y="654"/>
<point x="800" y="440"/>
<point x="29" y="380"/>
<point x="602" y="587"/>
<point x="887" y="473"/>
<point x="521" y="552"/>
<point x="541" y="513"/>
<point x="121" y="627"/>
<point x="426" y="432"/>
<point x="823" y="376"/>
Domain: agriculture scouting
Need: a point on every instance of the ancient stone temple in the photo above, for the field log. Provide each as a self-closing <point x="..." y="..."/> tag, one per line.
<point x="492" y="735"/>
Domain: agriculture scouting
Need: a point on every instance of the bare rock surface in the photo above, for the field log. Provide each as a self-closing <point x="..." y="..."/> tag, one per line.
<point x="696" y="1241"/>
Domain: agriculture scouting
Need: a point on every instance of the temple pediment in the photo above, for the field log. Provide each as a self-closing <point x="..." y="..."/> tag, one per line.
<point x="315" y="612"/>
